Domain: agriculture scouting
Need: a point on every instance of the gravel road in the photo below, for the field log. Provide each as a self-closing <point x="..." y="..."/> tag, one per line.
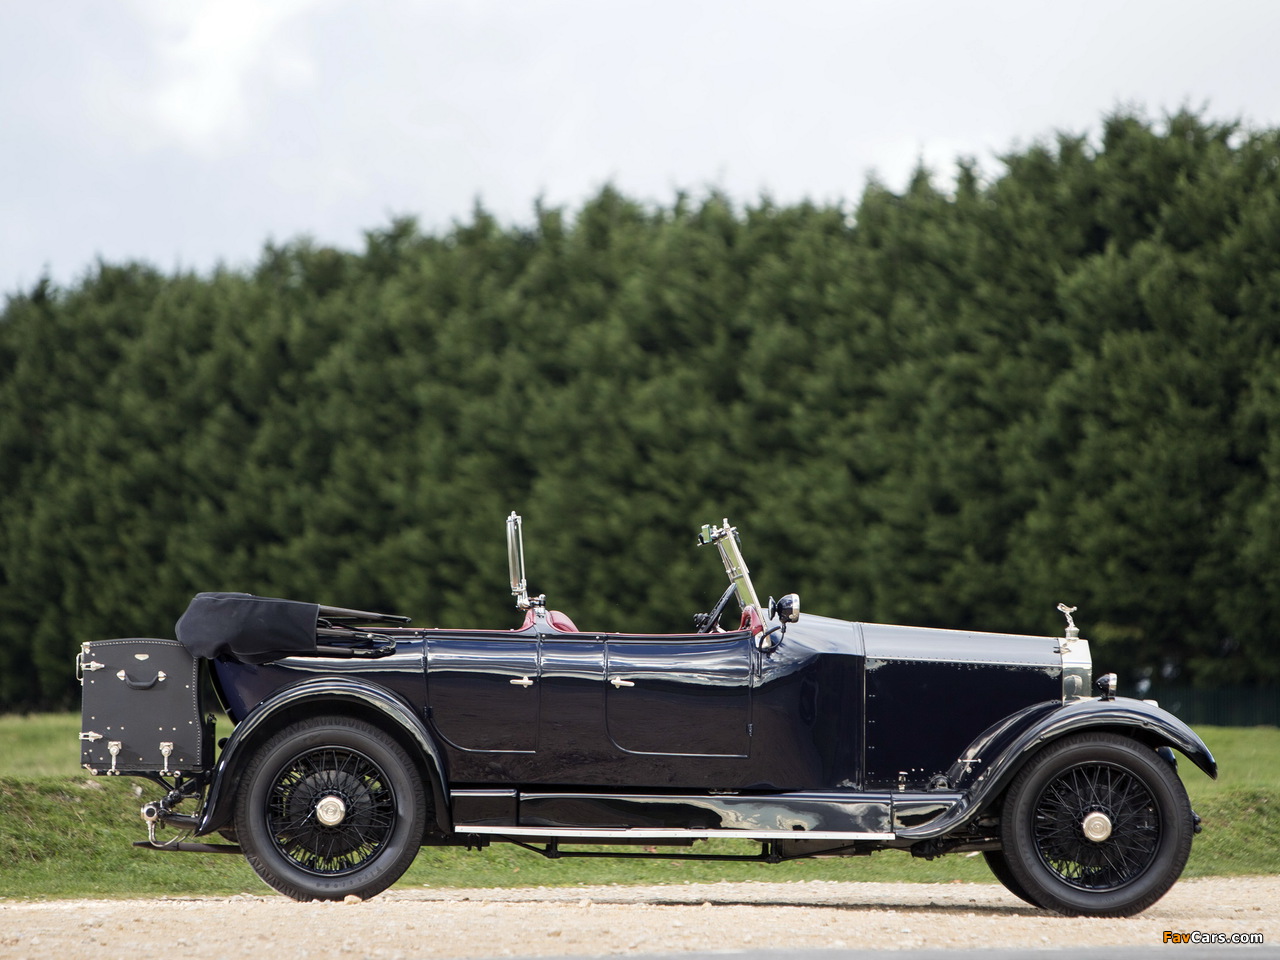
<point x="597" y="921"/>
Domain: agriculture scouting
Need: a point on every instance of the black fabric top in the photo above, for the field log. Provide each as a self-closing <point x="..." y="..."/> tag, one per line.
<point x="247" y="628"/>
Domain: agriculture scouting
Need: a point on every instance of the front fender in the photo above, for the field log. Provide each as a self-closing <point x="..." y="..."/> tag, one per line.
<point x="318" y="695"/>
<point x="996" y="756"/>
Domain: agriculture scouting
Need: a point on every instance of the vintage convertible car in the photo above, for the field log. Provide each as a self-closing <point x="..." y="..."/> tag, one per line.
<point x="358" y="739"/>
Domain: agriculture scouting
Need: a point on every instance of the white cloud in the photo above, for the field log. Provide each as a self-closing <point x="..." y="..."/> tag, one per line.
<point x="216" y="61"/>
<point x="187" y="132"/>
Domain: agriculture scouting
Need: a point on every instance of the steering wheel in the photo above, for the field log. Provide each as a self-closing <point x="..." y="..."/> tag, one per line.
<point x="706" y="622"/>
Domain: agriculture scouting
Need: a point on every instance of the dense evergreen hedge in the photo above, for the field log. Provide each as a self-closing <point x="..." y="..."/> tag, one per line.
<point x="950" y="407"/>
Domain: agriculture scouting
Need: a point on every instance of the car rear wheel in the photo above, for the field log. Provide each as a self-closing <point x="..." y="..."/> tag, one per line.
<point x="1096" y="825"/>
<point x="330" y="808"/>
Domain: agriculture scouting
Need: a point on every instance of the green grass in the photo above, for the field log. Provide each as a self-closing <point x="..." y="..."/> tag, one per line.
<point x="1241" y="809"/>
<point x="39" y="744"/>
<point x="64" y="835"/>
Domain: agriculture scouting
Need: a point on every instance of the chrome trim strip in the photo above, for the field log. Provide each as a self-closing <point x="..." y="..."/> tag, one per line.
<point x="588" y="833"/>
<point x="961" y="659"/>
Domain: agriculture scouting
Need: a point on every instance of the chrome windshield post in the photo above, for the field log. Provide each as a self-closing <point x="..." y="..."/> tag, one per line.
<point x="725" y="538"/>
<point x="515" y="561"/>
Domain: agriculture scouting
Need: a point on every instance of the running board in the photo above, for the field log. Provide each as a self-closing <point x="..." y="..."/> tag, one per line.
<point x="651" y="833"/>
<point x="852" y="815"/>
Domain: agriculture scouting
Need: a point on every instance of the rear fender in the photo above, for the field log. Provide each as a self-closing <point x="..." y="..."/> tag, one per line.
<point x="317" y="697"/>
<point x="986" y="768"/>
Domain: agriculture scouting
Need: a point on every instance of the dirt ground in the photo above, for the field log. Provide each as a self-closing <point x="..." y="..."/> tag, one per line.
<point x="596" y="921"/>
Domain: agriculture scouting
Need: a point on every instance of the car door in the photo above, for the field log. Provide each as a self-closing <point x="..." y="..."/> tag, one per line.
<point x="572" y="746"/>
<point x="483" y="690"/>
<point x="682" y="695"/>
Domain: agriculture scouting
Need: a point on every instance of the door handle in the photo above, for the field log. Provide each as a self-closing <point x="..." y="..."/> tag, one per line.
<point x="618" y="682"/>
<point x="523" y="682"/>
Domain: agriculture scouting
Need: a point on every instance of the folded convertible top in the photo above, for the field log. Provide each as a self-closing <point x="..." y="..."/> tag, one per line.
<point x="250" y="629"/>
<point x="247" y="628"/>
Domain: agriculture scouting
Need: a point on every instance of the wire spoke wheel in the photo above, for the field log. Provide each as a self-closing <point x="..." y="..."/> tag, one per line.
<point x="330" y="807"/>
<point x="368" y="804"/>
<point x="1132" y="824"/>
<point x="1095" y="824"/>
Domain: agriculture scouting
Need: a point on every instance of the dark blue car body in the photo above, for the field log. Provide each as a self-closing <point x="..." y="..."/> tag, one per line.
<point x="803" y="734"/>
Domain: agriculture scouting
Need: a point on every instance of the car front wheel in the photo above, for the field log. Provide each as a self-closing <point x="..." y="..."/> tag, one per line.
<point x="330" y="808"/>
<point x="1096" y="825"/>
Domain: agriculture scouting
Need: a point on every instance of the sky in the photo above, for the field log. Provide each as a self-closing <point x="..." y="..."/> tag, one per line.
<point x="187" y="134"/>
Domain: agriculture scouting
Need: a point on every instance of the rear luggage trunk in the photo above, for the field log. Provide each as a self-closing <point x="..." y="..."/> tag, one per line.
<point x="142" y="703"/>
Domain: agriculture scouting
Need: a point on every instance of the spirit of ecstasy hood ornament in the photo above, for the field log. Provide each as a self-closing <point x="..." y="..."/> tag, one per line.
<point x="1072" y="631"/>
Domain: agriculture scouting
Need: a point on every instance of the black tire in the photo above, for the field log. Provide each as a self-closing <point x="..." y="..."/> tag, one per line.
<point x="378" y="819"/>
<point x="999" y="865"/>
<point x="1117" y="787"/>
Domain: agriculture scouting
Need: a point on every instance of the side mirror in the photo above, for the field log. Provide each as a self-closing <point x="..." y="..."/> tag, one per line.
<point x="786" y="610"/>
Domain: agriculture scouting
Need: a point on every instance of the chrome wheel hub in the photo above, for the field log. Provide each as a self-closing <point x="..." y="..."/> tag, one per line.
<point x="331" y="811"/>
<point x="1096" y="826"/>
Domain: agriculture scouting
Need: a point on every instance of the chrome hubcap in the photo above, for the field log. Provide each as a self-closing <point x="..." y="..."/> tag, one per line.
<point x="1096" y="826"/>
<point x="331" y="811"/>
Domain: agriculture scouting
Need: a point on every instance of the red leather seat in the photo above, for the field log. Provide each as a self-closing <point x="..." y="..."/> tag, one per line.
<point x="557" y="621"/>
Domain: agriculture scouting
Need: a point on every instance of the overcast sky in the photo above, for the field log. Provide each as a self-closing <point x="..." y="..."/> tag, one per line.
<point x="186" y="133"/>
